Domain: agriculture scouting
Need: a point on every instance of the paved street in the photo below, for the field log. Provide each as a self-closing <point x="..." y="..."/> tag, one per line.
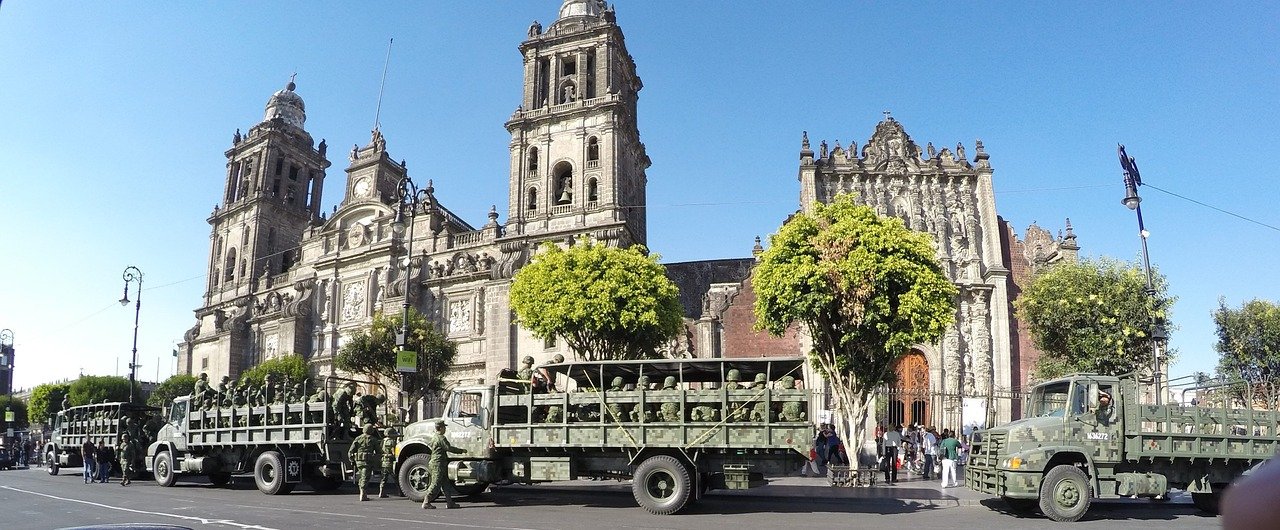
<point x="33" y="499"/>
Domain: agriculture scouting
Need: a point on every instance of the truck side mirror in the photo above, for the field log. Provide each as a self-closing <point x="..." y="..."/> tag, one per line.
<point x="1093" y="396"/>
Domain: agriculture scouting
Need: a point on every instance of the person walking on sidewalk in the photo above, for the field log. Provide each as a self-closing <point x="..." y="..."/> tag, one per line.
<point x="892" y="440"/>
<point x="949" y="448"/>
<point x="929" y="442"/>
<point x="106" y="454"/>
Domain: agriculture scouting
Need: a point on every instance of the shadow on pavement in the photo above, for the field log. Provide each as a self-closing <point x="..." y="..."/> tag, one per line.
<point x="1121" y="510"/>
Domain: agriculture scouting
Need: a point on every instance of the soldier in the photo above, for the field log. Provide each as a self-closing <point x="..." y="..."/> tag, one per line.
<point x="201" y="387"/>
<point x="732" y="378"/>
<point x="320" y="395"/>
<point x="440" y="447"/>
<point x="525" y="373"/>
<point x="224" y="393"/>
<point x="66" y="402"/>
<point x="760" y="382"/>
<point x="269" y="389"/>
<point x="364" y="454"/>
<point x="791" y="410"/>
<point x="544" y="380"/>
<point x="369" y="407"/>
<point x="642" y="412"/>
<point x="128" y="453"/>
<point x="388" y="460"/>
<point x="670" y="410"/>
<point x="616" y="412"/>
<point x="342" y="406"/>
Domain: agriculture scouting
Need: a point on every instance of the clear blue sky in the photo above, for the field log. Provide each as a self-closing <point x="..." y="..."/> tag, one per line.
<point x="114" y="117"/>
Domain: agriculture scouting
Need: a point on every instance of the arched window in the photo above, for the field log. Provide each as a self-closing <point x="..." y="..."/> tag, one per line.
<point x="563" y="178"/>
<point x="533" y="199"/>
<point x="593" y="149"/>
<point x="244" y="237"/>
<point x="229" y="266"/>
<point x="593" y="193"/>
<point x="533" y="160"/>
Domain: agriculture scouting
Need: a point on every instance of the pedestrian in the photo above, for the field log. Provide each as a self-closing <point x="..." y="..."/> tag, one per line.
<point x="439" y="464"/>
<point x="106" y="455"/>
<point x="892" y="440"/>
<point x="128" y="453"/>
<point x="929" y="442"/>
<point x="88" y="453"/>
<point x="813" y="458"/>
<point x="820" y="446"/>
<point x="949" y="450"/>
<point x="26" y="451"/>
<point x="835" y="449"/>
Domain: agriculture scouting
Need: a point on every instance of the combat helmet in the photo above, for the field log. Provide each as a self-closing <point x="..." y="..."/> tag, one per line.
<point x="369" y="429"/>
<point x="761" y="378"/>
<point x="528" y="359"/>
<point x="669" y="383"/>
<point x="734" y="376"/>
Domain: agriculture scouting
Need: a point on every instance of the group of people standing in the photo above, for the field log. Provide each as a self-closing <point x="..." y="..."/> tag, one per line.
<point x="100" y="459"/>
<point x="898" y="446"/>
<point x="827" y="450"/>
<point x="368" y="451"/>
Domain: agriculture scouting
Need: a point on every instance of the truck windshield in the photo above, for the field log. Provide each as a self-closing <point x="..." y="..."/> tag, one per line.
<point x="464" y="405"/>
<point x="1050" y="400"/>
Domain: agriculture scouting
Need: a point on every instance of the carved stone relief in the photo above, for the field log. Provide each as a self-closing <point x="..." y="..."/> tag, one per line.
<point x="353" y="297"/>
<point x="459" y="317"/>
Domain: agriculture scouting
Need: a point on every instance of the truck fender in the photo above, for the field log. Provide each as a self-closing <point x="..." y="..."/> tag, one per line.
<point x="644" y="452"/>
<point x="408" y="448"/>
<point x="1045" y="458"/>
<point x="161" y="447"/>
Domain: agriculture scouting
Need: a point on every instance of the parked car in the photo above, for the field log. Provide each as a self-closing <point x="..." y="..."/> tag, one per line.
<point x="8" y="459"/>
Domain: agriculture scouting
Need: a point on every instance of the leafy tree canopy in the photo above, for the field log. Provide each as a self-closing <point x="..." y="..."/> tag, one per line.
<point x="866" y="289"/>
<point x="99" y="388"/>
<point x="1249" y="346"/>
<point x="371" y="352"/>
<point x="174" y="386"/>
<point x="292" y="367"/>
<point x="604" y="302"/>
<point x="19" y="408"/>
<point x="1093" y="316"/>
<point x="46" y="401"/>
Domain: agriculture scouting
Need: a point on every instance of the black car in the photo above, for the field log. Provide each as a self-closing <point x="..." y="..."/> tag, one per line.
<point x="8" y="460"/>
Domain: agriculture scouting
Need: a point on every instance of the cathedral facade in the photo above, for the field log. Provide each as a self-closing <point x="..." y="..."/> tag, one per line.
<point x="284" y="277"/>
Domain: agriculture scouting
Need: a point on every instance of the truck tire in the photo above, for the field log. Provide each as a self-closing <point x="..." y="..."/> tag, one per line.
<point x="268" y="473"/>
<point x="415" y="476"/>
<point x="1064" y="494"/>
<point x="1207" y="502"/>
<point x="1021" y="506"/>
<point x="163" y="466"/>
<point x="661" y="485"/>
<point x="220" y="479"/>
<point x="52" y="458"/>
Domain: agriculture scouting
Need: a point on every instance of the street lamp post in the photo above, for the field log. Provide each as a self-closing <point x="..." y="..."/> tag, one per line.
<point x="1133" y="179"/>
<point x="132" y="274"/>
<point x="6" y="359"/>
<point x="411" y="200"/>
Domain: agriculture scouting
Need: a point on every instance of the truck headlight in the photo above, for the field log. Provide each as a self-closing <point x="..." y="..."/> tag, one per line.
<point x="1013" y="463"/>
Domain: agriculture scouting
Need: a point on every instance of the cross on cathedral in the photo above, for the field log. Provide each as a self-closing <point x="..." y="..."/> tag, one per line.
<point x="887" y="115"/>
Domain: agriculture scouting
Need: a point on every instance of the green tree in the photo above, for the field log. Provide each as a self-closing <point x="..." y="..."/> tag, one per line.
<point x="176" y="385"/>
<point x="1249" y="348"/>
<point x="292" y="367"/>
<point x="1092" y="316"/>
<point x="604" y="302"/>
<point x="46" y="401"/>
<point x="99" y="388"/>
<point x="19" y="409"/>
<point x="865" y="288"/>
<point x="371" y="352"/>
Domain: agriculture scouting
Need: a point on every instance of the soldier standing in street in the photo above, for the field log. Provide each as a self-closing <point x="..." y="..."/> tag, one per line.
<point x="128" y="453"/>
<point x="364" y="455"/>
<point x="439" y="463"/>
<point x="388" y="461"/>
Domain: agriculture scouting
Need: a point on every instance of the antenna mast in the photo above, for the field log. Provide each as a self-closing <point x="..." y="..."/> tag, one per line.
<point x="378" y="113"/>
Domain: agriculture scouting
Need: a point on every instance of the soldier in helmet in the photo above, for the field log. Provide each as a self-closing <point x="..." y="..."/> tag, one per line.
<point x="642" y="412"/>
<point x="201" y="387"/>
<point x="670" y="410"/>
<point x="128" y="454"/>
<point x="440" y="449"/>
<point x="615" y="412"/>
<point x="342" y="406"/>
<point x="791" y="410"/>
<point x="369" y="407"/>
<point x="731" y="380"/>
<point x="364" y="454"/>
<point x="388" y="461"/>
<point x="526" y="369"/>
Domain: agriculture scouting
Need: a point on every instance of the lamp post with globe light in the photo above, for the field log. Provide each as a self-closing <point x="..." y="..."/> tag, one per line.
<point x="1133" y="179"/>
<point x="6" y="361"/>
<point x="132" y="274"/>
<point x="411" y="201"/>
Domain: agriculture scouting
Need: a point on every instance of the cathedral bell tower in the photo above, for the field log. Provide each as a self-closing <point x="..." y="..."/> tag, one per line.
<point x="577" y="163"/>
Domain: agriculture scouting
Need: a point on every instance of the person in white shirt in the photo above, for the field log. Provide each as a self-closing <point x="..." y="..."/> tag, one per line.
<point x="930" y="446"/>
<point x="892" y="440"/>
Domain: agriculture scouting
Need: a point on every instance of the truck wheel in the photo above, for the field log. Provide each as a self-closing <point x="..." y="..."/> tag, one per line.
<point x="661" y="485"/>
<point x="1207" y="502"/>
<point x="1064" y="495"/>
<point x="163" y="466"/>
<point x="52" y="459"/>
<point x="415" y="476"/>
<point x="268" y="473"/>
<point x="220" y="479"/>
<point x="1021" y="506"/>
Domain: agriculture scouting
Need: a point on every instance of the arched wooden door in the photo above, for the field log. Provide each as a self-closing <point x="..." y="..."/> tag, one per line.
<point x="910" y="403"/>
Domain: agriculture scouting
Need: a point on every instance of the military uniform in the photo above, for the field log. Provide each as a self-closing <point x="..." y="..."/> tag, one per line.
<point x="342" y="407"/>
<point x="439" y="463"/>
<point x="128" y="454"/>
<point x="364" y="455"/>
<point x="388" y="461"/>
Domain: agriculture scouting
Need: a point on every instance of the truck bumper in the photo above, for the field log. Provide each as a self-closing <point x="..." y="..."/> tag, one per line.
<point x="1012" y="484"/>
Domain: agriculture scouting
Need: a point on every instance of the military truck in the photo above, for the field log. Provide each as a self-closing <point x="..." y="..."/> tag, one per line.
<point x="676" y="428"/>
<point x="104" y="422"/>
<point x="282" y="443"/>
<point x="1087" y="437"/>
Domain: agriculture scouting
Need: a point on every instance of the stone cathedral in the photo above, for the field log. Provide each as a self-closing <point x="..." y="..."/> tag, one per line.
<point x="286" y="277"/>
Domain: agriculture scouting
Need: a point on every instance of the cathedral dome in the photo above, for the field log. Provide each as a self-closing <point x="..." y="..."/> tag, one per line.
<point x="581" y="8"/>
<point x="288" y="106"/>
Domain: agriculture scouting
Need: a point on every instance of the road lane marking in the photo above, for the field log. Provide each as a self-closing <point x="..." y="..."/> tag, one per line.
<point x="200" y="520"/>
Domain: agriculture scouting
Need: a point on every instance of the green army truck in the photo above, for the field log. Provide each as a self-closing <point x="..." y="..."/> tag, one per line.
<point x="676" y="428"/>
<point x="1087" y="437"/>
<point x="104" y="422"/>
<point x="281" y="444"/>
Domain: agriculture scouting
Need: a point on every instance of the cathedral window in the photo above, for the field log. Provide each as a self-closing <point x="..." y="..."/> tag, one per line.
<point x="593" y="149"/>
<point x="293" y="172"/>
<point x="549" y="342"/>
<point x="563" y="178"/>
<point x="593" y="193"/>
<point x="244" y="267"/>
<point x="568" y="66"/>
<point x="275" y="188"/>
<point x="533" y="199"/>
<point x="533" y="160"/>
<point x="279" y="166"/>
<point x="229" y="267"/>
<point x="590" y="90"/>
